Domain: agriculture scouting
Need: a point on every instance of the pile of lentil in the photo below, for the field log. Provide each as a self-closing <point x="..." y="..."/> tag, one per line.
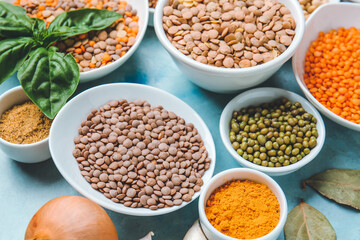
<point x="97" y="48"/>
<point x="24" y="124"/>
<point x="273" y="134"/>
<point x="332" y="72"/>
<point x="140" y="155"/>
<point x="152" y="3"/>
<point x="309" y="6"/>
<point x="243" y="209"/>
<point x="229" y="33"/>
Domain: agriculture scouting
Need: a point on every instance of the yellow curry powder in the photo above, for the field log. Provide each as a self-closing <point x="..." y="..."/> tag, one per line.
<point x="243" y="209"/>
<point x="24" y="124"/>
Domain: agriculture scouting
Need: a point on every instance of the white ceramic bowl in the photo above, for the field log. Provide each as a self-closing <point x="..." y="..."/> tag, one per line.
<point x="151" y="17"/>
<point x="342" y="15"/>
<point x="26" y="153"/>
<point x="256" y="97"/>
<point x="329" y="2"/>
<point x="66" y="123"/>
<point x="142" y="8"/>
<point x="241" y="174"/>
<point x="224" y="80"/>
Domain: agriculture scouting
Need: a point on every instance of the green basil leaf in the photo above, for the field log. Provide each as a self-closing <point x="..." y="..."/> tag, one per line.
<point x="81" y="21"/>
<point x="14" y="22"/>
<point x="49" y="78"/>
<point x="340" y="185"/>
<point x="305" y="222"/>
<point x="39" y="31"/>
<point x="13" y="53"/>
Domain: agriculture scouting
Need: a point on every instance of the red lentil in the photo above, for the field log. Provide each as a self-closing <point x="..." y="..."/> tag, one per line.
<point x="332" y="72"/>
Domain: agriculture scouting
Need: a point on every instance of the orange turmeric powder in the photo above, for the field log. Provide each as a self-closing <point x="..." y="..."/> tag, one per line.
<point x="243" y="209"/>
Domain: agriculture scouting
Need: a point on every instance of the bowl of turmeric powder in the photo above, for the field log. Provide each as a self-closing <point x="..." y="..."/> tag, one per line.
<point x="242" y="203"/>
<point x="24" y="129"/>
<point x="326" y="65"/>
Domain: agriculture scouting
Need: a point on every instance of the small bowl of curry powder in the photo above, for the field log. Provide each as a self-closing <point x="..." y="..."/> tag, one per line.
<point x="24" y="129"/>
<point x="242" y="203"/>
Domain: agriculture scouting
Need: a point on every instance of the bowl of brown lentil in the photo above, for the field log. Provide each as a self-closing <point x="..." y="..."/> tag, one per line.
<point x="272" y="130"/>
<point x="255" y="200"/>
<point x="226" y="46"/>
<point x="97" y="53"/>
<point x="132" y="156"/>
<point x="24" y="129"/>
<point x="326" y="64"/>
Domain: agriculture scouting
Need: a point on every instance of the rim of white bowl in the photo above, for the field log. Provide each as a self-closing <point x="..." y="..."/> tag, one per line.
<point x="160" y="32"/>
<point x="25" y="145"/>
<point x="283" y="211"/>
<point x="128" y="54"/>
<point x="285" y="169"/>
<point x="295" y="63"/>
<point x="129" y="211"/>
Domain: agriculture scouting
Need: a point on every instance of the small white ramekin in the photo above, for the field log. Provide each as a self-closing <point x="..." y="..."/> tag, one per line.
<point x="256" y="97"/>
<point x="26" y="153"/>
<point x="227" y="80"/>
<point x="240" y="174"/>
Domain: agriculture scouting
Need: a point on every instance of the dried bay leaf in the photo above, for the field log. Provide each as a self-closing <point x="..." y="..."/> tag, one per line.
<point x="307" y="223"/>
<point x="340" y="185"/>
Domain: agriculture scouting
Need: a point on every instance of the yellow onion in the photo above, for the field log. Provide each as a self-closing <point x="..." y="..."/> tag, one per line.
<point x="71" y="218"/>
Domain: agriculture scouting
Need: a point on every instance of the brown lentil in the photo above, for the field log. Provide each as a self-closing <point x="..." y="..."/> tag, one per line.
<point x="97" y="48"/>
<point x="309" y="6"/>
<point x="146" y="163"/>
<point x="229" y="33"/>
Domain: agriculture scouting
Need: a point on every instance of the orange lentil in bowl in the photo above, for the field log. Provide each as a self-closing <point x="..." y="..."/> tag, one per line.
<point x="97" y="48"/>
<point x="332" y="72"/>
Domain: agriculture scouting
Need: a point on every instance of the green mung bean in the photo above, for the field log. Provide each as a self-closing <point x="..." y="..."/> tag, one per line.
<point x="273" y="134"/>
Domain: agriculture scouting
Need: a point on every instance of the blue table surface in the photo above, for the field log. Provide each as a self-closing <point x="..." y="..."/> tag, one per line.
<point x="24" y="188"/>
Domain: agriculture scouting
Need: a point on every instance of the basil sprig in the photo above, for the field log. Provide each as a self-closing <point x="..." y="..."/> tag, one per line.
<point x="47" y="76"/>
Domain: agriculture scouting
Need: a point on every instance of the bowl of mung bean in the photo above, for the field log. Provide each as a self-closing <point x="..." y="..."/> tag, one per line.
<point x="333" y="89"/>
<point x="272" y="130"/>
<point x="224" y="47"/>
<point x="24" y="129"/>
<point x="133" y="149"/>
<point x="247" y="194"/>
<point x="97" y="53"/>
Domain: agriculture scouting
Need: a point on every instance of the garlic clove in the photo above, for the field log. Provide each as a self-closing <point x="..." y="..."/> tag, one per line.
<point x="195" y="232"/>
<point x="148" y="236"/>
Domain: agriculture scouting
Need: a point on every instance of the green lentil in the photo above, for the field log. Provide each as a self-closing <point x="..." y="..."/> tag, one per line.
<point x="273" y="134"/>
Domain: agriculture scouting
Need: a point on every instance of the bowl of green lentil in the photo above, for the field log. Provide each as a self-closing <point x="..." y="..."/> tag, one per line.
<point x="272" y="130"/>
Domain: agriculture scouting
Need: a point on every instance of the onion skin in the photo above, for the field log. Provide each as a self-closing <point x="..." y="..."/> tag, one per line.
<point x="71" y="218"/>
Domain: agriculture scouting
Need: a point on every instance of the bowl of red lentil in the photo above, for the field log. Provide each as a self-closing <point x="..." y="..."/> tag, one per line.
<point x="326" y="63"/>
<point x="242" y="203"/>
<point x="227" y="46"/>
<point x="24" y="129"/>
<point x="97" y="53"/>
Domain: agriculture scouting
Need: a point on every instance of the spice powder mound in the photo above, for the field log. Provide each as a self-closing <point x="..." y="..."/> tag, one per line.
<point x="24" y="124"/>
<point x="243" y="209"/>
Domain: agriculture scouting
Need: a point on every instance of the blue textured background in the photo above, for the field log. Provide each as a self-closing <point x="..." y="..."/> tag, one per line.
<point x="24" y="188"/>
